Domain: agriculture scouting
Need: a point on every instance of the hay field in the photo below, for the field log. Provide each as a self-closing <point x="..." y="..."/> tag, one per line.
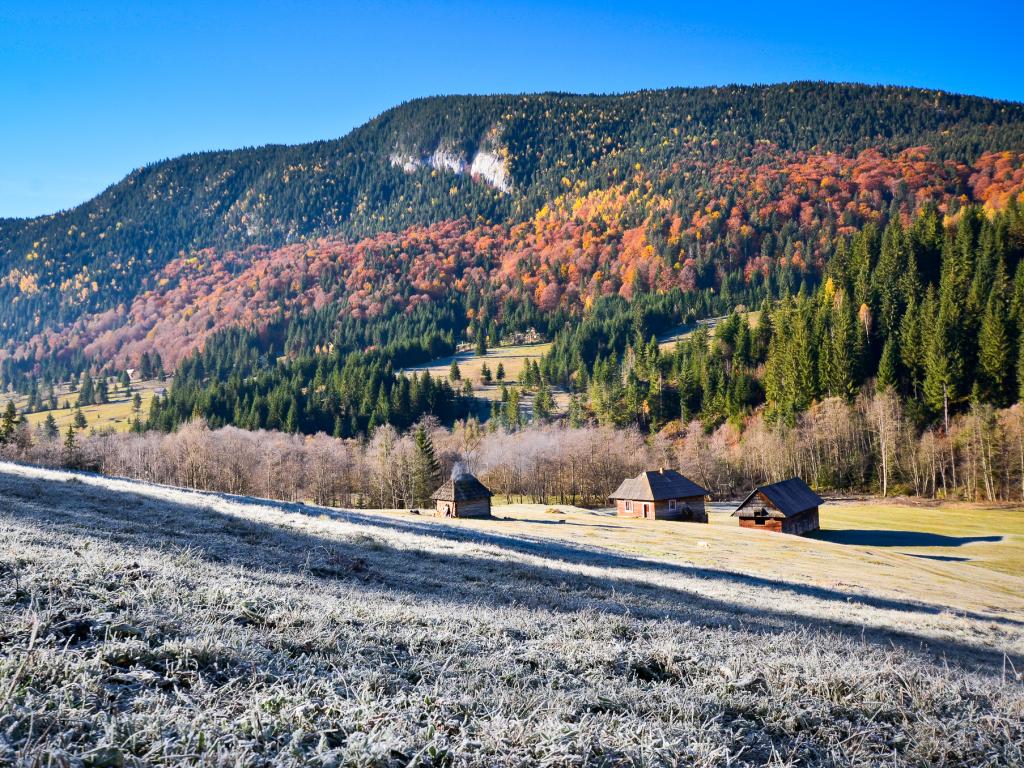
<point x="146" y="625"/>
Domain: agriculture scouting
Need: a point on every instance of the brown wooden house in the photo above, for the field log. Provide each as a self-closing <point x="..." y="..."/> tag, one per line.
<point x="789" y="506"/>
<point x="462" y="496"/>
<point x="661" y="495"/>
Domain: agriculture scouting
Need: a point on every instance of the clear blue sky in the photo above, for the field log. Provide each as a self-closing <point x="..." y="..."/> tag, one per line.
<point x="89" y="91"/>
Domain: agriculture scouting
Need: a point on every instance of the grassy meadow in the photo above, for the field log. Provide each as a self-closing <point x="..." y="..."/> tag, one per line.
<point x="963" y="556"/>
<point x="143" y="624"/>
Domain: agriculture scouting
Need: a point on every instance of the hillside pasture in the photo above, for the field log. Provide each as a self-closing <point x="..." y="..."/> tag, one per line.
<point x="144" y="624"/>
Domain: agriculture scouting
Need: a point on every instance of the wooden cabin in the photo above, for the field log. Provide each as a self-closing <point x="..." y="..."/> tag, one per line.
<point x="661" y="495"/>
<point x="462" y="496"/>
<point x="789" y="506"/>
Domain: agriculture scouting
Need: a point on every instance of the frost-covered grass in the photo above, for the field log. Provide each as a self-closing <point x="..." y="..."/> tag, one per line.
<point x="147" y="625"/>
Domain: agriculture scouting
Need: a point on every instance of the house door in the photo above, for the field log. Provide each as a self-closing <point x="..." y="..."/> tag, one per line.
<point x="647" y="511"/>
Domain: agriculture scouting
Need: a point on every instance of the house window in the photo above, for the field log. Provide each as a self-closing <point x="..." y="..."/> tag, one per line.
<point x="672" y="504"/>
<point x="758" y="521"/>
<point x="629" y="506"/>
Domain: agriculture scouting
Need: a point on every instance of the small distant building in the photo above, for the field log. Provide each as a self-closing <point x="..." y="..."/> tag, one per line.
<point x="661" y="495"/>
<point x="462" y="496"/>
<point x="789" y="506"/>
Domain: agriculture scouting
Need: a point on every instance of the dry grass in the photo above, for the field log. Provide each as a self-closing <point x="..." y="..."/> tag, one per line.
<point x="968" y="536"/>
<point x="470" y="364"/>
<point x="147" y="625"/>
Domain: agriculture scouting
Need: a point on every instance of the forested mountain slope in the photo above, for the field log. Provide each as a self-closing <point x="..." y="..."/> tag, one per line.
<point x="594" y="195"/>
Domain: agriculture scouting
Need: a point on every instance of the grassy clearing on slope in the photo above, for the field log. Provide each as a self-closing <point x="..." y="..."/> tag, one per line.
<point x="147" y="625"/>
<point x="513" y="358"/>
<point x="116" y="414"/>
<point x="667" y="341"/>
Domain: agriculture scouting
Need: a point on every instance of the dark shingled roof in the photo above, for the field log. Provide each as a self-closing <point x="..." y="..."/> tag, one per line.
<point x="658" y="486"/>
<point x="791" y="497"/>
<point x="464" y="488"/>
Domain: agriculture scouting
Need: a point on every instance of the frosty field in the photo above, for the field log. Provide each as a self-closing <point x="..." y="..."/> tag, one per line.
<point x="141" y="624"/>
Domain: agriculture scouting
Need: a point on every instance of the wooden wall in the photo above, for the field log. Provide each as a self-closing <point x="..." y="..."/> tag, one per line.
<point x="803" y="523"/>
<point x="470" y="508"/>
<point x="770" y="524"/>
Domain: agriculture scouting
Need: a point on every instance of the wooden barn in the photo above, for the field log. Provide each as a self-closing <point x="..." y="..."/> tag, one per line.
<point x="462" y="496"/>
<point x="788" y="506"/>
<point x="661" y="495"/>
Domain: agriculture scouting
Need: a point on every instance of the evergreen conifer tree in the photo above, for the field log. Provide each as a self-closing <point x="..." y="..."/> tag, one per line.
<point x="426" y="468"/>
<point x="887" y="376"/>
<point x="994" y="344"/>
<point x="70" y="456"/>
<point x="9" y="422"/>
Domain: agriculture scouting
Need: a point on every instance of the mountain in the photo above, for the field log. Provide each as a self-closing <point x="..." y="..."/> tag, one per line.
<point x="518" y="209"/>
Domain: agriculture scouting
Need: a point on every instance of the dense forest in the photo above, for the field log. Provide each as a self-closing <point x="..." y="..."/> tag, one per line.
<point x="933" y="312"/>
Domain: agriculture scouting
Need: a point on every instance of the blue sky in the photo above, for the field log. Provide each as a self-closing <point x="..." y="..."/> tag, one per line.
<point x="89" y="91"/>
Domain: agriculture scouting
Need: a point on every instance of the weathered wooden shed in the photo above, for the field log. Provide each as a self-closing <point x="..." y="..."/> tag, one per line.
<point x="462" y="496"/>
<point x="661" y="495"/>
<point x="788" y="506"/>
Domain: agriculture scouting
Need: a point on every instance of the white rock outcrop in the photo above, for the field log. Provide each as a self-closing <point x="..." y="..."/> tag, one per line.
<point x="446" y="160"/>
<point x="486" y="166"/>
<point x="492" y="169"/>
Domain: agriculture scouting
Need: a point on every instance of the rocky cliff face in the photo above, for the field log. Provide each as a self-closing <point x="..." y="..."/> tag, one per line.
<point x="487" y="164"/>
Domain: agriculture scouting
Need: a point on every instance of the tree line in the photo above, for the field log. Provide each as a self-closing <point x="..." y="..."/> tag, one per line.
<point x="868" y="445"/>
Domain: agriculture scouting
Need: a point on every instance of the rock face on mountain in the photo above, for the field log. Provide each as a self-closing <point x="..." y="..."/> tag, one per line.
<point x="486" y="166"/>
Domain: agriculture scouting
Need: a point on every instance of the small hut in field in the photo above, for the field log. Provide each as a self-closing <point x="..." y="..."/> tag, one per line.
<point x="661" y="495"/>
<point x="462" y="496"/>
<point x="788" y="506"/>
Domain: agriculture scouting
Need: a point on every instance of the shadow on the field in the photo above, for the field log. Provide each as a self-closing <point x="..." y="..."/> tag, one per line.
<point x="501" y="570"/>
<point x="555" y="519"/>
<point x="870" y="538"/>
